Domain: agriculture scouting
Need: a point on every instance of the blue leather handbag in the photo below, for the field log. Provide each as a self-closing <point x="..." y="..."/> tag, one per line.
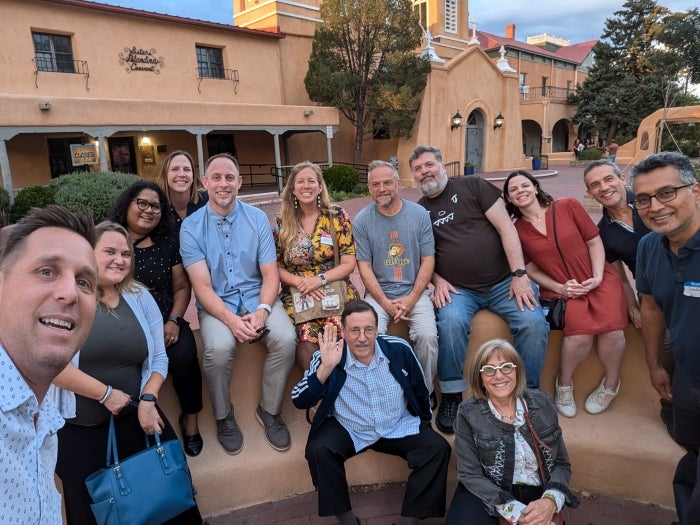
<point x="147" y="488"/>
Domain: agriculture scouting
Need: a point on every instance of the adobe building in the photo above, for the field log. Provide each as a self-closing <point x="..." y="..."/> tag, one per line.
<point x="94" y="87"/>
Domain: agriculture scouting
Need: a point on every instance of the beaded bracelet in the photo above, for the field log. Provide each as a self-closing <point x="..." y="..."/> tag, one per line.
<point x="107" y="394"/>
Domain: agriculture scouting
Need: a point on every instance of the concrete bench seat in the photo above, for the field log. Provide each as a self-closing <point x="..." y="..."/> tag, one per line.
<point x="624" y="452"/>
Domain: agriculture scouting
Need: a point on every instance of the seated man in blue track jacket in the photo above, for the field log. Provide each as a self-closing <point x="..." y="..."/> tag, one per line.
<point x="372" y="397"/>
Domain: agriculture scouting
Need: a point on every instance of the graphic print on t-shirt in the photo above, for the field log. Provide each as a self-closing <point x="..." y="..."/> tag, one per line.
<point x="393" y="259"/>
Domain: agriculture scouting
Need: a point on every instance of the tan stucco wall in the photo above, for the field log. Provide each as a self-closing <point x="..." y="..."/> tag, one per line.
<point x="460" y="85"/>
<point x="99" y="37"/>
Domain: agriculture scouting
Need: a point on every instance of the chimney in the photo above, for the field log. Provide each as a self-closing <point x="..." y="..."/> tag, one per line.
<point x="510" y="31"/>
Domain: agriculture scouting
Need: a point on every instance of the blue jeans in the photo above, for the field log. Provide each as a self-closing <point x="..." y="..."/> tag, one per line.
<point x="529" y="328"/>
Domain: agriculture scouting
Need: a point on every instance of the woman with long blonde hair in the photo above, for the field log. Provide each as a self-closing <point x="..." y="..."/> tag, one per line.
<point x="306" y="231"/>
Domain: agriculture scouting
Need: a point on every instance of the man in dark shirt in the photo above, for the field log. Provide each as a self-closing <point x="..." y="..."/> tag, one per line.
<point x="478" y="264"/>
<point x="667" y="196"/>
<point x="621" y="229"/>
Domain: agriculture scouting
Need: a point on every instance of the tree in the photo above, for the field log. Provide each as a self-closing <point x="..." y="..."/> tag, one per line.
<point x="632" y="76"/>
<point x="681" y="36"/>
<point x="363" y="61"/>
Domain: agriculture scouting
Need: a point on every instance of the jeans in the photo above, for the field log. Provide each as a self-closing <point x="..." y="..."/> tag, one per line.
<point x="529" y="329"/>
<point x="421" y="330"/>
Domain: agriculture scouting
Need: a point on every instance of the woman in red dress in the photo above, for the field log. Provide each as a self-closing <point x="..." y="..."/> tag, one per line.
<point x="577" y="271"/>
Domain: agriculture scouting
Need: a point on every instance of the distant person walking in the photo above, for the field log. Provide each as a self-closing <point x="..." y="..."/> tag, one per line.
<point x="612" y="151"/>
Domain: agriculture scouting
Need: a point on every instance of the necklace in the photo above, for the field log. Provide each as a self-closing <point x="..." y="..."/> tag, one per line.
<point x="508" y="419"/>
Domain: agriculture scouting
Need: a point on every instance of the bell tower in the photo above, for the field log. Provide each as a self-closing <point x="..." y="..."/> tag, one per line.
<point x="293" y="18"/>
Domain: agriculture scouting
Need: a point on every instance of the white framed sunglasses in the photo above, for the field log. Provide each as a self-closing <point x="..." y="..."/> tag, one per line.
<point x="505" y="368"/>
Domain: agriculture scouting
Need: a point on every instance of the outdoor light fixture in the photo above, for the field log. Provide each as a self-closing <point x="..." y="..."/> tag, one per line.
<point x="145" y="141"/>
<point x="499" y="121"/>
<point x="308" y="112"/>
<point x="456" y="120"/>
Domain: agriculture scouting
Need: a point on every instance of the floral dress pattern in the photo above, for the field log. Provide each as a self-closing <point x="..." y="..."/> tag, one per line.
<point x="312" y="254"/>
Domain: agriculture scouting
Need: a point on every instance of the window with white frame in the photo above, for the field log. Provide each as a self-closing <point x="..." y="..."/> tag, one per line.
<point x="421" y="7"/>
<point x="53" y="53"/>
<point x="210" y="62"/>
<point x="451" y="16"/>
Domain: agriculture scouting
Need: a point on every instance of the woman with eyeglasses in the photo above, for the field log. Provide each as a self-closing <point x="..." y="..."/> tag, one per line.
<point x="143" y="210"/>
<point x="512" y="464"/>
<point x="565" y="256"/>
<point x="118" y="371"/>
<point x="182" y="188"/>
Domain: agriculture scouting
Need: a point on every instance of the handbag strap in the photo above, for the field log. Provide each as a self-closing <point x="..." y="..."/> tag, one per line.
<point x="334" y="236"/>
<point x="556" y="241"/>
<point x="537" y="441"/>
<point x="112" y="454"/>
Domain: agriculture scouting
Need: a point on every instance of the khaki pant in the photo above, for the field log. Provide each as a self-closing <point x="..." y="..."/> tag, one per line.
<point x="220" y="347"/>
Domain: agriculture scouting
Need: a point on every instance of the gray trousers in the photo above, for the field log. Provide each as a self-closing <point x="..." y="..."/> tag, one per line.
<point x="422" y="331"/>
<point x="220" y="347"/>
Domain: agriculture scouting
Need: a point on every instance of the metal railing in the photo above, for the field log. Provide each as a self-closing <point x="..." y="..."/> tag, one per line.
<point x="545" y="93"/>
<point x="219" y="73"/>
<point x="264" y="176"/>
<point x="453" y="169"/>
<point x="51" y="65"/>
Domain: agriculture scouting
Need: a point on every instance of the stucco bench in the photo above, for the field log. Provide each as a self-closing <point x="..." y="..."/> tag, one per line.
<point x="624" y="452"/>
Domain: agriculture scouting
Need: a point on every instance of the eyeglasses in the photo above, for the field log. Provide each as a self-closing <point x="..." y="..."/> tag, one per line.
<point x="143" y="205"/>
<point x="666" y="195"/>
<point x="490" y="370"/>
<point x="369" y="331"/>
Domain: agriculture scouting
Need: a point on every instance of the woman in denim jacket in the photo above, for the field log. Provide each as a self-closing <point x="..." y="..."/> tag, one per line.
<point x="497" y="467"/>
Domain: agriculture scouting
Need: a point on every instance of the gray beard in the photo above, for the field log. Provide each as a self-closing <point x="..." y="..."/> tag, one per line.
<point x="434" y="187"/>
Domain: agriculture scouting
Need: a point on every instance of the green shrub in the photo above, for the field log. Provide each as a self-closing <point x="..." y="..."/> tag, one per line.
<point x="93" y="191"/>
<point x="30" y="197"/>
<point x="4" y="207"/>
<point x="591" y="154"/>
<point x="341" y="177"/>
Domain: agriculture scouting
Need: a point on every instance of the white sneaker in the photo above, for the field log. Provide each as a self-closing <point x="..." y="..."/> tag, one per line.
<point x="600" y="398"/>
<point x="564" y="399"/>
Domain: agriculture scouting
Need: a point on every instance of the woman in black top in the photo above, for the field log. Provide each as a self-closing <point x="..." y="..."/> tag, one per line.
<point x="143" y="210"/>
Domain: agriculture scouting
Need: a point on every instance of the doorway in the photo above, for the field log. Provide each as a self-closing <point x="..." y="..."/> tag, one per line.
<point x="121" y="154"/>
<point x="474" y="145"/>
<point x="60" y="158"/>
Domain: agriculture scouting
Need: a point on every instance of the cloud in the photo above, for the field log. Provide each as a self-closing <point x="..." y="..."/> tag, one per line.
<point x="574" y="21"/>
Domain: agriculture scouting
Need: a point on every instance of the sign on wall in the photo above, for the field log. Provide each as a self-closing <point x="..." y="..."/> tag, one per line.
<point x="83" y="154"/>
<point x="140" y="59"/>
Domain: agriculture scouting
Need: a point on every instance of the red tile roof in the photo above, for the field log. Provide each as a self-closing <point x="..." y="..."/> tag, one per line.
<point x="575" y="53"/>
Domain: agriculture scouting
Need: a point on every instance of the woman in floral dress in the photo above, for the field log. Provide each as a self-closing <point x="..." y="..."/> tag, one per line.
<point x="304" y="235"/>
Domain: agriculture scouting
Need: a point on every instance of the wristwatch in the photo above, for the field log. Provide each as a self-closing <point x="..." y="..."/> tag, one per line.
<point x="322" y="276"/>
<point x="265" y="307"/>
<point x="148" y="397"/>
<point x="175" y="319"/>
<point x="518" y="273"/>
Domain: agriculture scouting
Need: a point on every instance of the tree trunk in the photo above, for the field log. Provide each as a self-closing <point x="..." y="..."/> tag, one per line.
<point x="357" y="153"/>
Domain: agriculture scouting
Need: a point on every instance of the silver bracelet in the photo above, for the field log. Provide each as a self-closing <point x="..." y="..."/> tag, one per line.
<point x="107" y="394"/>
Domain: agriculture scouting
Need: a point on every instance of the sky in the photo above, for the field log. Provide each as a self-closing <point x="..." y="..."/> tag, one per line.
<point x="574" y="20"/>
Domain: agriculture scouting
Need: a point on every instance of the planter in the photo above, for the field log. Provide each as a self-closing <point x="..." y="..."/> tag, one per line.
<point x="469" y="170"/>
<point x="536" y="163"/>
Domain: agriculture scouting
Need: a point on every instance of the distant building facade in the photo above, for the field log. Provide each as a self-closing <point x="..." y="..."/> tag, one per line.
<point x="91" y="86"/>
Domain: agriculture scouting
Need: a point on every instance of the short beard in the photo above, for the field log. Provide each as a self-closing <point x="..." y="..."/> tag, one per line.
<point x="432" y="188"/>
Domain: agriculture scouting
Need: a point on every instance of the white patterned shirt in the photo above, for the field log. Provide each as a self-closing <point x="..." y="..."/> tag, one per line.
<point x="526" y="469"/>
<point x="28" y="494"/>
<point x="372" y="405"/>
